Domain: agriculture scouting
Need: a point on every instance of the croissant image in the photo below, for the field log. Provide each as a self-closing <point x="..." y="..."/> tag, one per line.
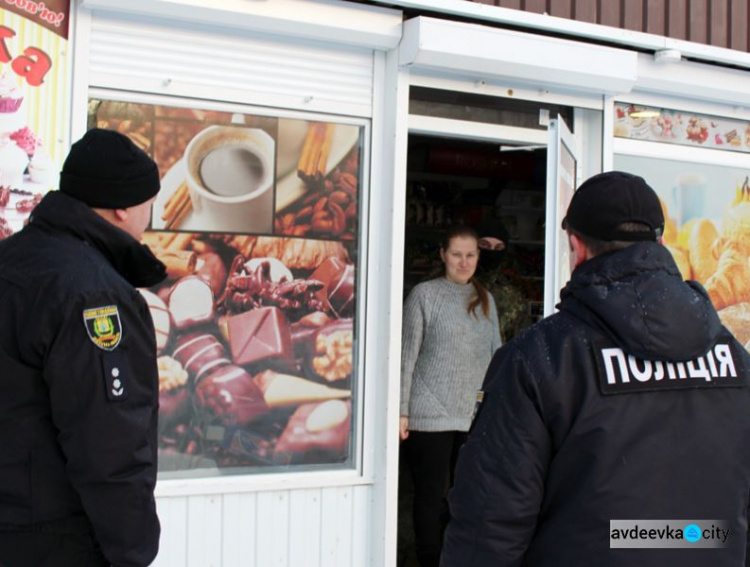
<point x="296" y="253"/>
<point x="736" y="222"/>
<point x="730" y="283"/>
<point x="680" y="258"/>
<point x="700" y="242"/>
<point x="737" y="319"/>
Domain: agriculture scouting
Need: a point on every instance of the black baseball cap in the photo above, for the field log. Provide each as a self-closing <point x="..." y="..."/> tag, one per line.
<point x="605" y="201"/>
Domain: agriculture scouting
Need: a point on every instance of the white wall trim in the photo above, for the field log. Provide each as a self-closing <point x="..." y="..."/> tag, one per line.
<point x="482" y="51"/>
<point x="387" y="217"/>
<point x="81" y="45"/>
<point x="608" y="121"/>
<point x="480" y="131"/>
<point x="500" y="89"/>
<point x="331" y="21"/>
<point x="677" y="152"/>
<point x="596" y="32"/>
<point x="704" y="83"/>
<point x="239" y="483"/>
<point x="684" y="104"/>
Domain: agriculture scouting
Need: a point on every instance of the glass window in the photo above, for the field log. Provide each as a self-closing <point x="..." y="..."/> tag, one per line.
<point x="482" y="108"/>
<point x="707" y="211"/>
<point x="257" y="221"/>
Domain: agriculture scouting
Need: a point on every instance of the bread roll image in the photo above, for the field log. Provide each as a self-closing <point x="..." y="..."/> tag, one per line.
<point x="670" y="231"/>
<point x="670" y="228"/>
<point x="680" y="257"/>
<point x="700" y="249"/>
<point x="683" y="234"/>
<point x="736" y="318"/>
<point x="731" y="282"/>
<point x="736" y="221"/>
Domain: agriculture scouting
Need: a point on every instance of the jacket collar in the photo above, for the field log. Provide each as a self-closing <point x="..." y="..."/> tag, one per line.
<point x="133" y="261"/>
<point x="637" y="297"/>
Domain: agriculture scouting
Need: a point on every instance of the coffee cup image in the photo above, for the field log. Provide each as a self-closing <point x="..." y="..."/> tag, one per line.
<point x="229" y="176"/>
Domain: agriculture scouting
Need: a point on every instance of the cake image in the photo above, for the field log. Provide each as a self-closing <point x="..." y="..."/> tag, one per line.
<point x="26" y="140"/>
<point x="639" y="127"/>
<point x="13" y="162"/>
<point x="42" y="168"/>
<point x="11" y="98"/>
<point x="27" y="169"/>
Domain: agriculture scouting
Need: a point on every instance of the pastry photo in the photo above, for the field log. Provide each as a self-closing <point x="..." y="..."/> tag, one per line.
<point x="256" y="345"/>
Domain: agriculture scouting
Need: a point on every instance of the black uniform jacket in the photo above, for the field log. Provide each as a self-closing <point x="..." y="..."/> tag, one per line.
<point x="630" y="403"/>
<point x="78" y="381"/>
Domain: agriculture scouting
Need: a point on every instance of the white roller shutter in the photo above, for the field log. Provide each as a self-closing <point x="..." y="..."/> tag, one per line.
<point x="180" y="59"/>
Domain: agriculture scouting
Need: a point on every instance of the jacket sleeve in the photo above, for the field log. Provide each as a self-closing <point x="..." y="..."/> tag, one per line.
<point x="414" y="324"/>
<point x="499" y="479"/>
<point x="105" y="405"/>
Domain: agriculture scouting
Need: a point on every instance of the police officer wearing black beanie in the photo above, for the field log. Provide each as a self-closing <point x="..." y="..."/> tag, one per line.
<point x="616" y="431"/>
<point x="79" y="384"/>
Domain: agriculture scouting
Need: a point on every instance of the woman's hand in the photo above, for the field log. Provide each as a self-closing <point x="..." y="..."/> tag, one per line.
<point x="404" y="428"/>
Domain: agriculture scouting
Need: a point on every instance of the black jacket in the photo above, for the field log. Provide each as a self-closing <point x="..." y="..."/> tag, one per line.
<point x="583" y="422"/>
<point x="78" y="381"/>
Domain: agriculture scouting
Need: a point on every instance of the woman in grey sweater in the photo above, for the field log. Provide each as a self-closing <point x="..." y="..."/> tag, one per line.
<point x="450" y="333"/>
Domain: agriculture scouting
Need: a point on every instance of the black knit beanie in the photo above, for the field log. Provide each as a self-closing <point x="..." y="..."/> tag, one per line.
<point x="105" y="169"/>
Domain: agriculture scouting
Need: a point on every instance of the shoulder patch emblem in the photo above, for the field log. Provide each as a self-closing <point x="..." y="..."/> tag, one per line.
<point x="103" y="326"/>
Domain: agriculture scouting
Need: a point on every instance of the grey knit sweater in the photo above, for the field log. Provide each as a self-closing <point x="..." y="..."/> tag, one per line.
<point x="445" y="355"/>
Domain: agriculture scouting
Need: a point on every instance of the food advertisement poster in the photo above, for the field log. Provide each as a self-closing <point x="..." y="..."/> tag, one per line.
<point x="35" y="83"/>
<point x="707" y="230"/>
<point x="684" y="128"/>
<point x="256" y="221"/>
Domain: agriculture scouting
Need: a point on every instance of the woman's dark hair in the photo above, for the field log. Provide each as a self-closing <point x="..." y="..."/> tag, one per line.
<point x="482" y="297"/>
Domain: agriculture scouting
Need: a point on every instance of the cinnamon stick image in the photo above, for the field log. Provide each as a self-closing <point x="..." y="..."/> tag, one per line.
<point x="177" y="207"/>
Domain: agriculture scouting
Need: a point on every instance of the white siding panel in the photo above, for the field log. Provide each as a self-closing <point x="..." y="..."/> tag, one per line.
<point x="134" y="53"/>
<point x="174" y="518"/>
<point x="362" y="536"/>
<point x="345" y="497"/>
<point x="204" y="531"/>
<point x="239" y="530"/>
<point x="291" y="528"/>
<point x="337" y="521"/>
<point x="273" y="529"/>
<point x="305" y="528"/>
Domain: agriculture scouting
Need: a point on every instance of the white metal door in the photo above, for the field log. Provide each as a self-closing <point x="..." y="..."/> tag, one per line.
<point x="562" y="165"/>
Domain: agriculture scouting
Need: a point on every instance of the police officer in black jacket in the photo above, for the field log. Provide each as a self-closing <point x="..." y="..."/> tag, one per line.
<point x="626" y="412"/>
<point x="78" y="377"/>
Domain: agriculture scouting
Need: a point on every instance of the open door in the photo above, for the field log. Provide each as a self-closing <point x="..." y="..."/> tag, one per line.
<point x="562" y="163"/>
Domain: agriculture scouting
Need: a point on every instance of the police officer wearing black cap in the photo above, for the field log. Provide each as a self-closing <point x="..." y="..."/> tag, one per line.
<point x="631" y="403"/>
<point x="78" y="377"/>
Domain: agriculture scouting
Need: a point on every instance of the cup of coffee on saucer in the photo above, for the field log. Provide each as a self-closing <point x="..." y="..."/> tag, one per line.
<point x="229" y="175"/>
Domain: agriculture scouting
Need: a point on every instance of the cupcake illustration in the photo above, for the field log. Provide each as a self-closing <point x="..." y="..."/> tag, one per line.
<point x="11" y="99"/>
<point x="13" y="163"/>
<point x="42" y="168"/>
